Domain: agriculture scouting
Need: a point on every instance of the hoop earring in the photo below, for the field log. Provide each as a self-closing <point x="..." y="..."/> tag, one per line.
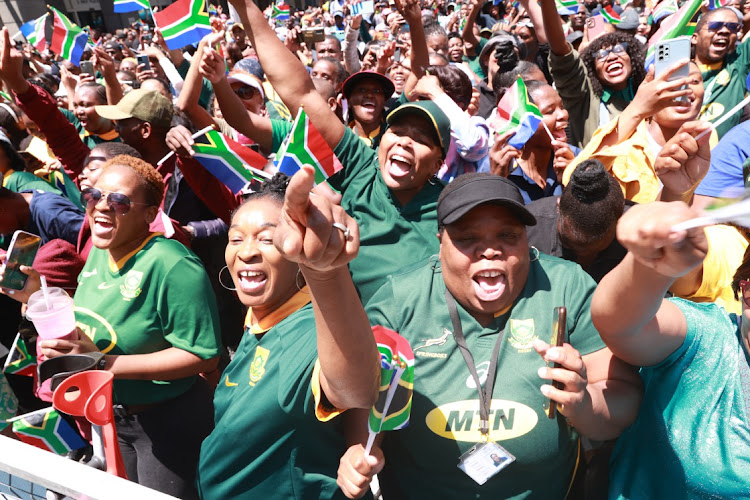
<point x="221" y="282"/>
<point x="296" y="280"/>
<point x="535" y="253"/>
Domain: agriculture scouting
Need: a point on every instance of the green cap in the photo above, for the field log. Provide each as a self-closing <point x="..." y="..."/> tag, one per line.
<point x="147" y="105"/>
<point x="430" y="111"/>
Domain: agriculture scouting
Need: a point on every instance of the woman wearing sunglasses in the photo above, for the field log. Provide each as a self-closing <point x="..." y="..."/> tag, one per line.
<point x="146" y="302"/>
<point x="724" y="63"/>
<point x="597" y="84"/>
<point x="293" y="372"/>
<point x="692" y="435"/>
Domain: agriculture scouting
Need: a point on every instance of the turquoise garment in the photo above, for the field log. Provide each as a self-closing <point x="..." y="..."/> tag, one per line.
<point x="692" y="435"/>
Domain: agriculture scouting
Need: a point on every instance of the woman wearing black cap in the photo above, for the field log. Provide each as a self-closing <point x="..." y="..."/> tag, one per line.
<point x="479" y="316"/>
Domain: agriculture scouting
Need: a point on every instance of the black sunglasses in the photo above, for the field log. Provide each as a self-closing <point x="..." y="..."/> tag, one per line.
<point x="717" y="25"/>
<point x="117" y="202"/>
<point x="246" y="92"/>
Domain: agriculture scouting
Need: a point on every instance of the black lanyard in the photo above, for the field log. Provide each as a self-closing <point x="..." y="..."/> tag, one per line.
<point x="485" y="396"/>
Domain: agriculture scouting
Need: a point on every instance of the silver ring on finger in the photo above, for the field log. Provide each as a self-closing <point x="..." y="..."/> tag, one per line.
<point x="343" y="229"/>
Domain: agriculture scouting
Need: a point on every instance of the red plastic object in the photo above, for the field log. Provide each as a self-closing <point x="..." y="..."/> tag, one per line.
<point x="89" y="394"/>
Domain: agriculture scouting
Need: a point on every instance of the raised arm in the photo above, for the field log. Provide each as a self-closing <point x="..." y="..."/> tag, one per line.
<point x="349" y="361"/>
<point x="191" y="88"/>
<point x="104" y="63"/>
<point x="468" y="32"/>
<point x="420" y="57"/>
<point x="251" y="125"/>
<point x="553" y="29"/>
<point x="628" y="307"/>
<point x="535" y="14"/>
<point x="287" y="74"/>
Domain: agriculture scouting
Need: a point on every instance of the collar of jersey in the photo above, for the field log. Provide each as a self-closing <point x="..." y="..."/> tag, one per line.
<point x="116" y="266"/>
<point x="106" y="136"/>
<point x="710" y="67"/>
<point x="7" y="174"/>
<point x="294" y="304"/>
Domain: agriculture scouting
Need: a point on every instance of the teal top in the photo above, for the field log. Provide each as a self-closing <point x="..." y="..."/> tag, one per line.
<point x="692" y="435"/>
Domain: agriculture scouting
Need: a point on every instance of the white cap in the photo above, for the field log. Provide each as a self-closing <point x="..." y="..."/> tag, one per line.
<point x="247" y="79"/>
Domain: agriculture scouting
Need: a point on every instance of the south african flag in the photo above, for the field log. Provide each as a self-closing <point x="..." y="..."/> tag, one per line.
<point x="515" y="111"/>
<point x="305" y="146"/>
<point x="232" y="163"/>
<point x="610" y="15"/>
<point x="280" y="12"/>
<point x="68" y="40"/>
<point x="185" y="22"/>
<point x="392" y="409"/>
<point x="48" y="430"/>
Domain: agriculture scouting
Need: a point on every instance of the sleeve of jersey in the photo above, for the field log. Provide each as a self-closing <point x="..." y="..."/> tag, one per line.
<point x="583" y="334"/>
<point x="323" y="412"/>
<point x="187" y="309"/>
<point x="61" y="136"/>
<point x="355" y="156"/>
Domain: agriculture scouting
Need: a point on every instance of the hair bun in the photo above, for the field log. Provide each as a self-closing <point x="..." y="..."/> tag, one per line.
<point x="589" y="182"/>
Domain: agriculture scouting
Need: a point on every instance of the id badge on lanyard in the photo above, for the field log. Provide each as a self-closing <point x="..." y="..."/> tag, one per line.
<point x="487" y="458"/>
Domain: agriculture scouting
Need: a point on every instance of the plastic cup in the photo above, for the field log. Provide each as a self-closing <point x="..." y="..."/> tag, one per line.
<point x="56" y="322"/>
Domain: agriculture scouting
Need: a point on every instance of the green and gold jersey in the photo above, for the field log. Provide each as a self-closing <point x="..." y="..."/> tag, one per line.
<point x="268" y="440"/>
<point x="156" y="297"/>
<point x="724" y="85"/>
<point x="421" y="459"/>
<point x="392" y="236"/>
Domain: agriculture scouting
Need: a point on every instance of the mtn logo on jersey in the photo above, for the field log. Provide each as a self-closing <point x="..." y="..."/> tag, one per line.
<point x="522" y="334"/>
<point x="459" y="421"/>
<point x="438" y="341"/>
<point x="131" y="286"/>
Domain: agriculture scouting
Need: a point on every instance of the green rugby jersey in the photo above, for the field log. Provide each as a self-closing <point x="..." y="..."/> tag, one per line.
<point x="421" y="460"/>
<point x="155" y="298"/>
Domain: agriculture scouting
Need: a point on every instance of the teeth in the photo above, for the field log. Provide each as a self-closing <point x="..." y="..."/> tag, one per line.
<point x="102" y="220"/>
<point x="399" y="158"/>
<point x="489" y="274"/>
<point x="250" y="274"/>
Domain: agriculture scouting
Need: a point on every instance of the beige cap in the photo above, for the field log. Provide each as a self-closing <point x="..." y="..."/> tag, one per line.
<point x="147" y="105"/>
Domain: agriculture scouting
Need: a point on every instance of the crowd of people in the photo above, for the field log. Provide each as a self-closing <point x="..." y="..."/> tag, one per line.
<point x="238" y="325"/>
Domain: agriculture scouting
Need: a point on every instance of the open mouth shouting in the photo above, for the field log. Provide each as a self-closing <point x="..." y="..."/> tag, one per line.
<point x="614" y="69"/>
<point x="103" y="226"/>
<point x="489" y="285"/>
<point x="251" y="280"/>
<point x="399" y="165"/>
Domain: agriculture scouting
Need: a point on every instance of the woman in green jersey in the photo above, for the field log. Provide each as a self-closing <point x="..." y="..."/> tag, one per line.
<point x="276" y="435"/>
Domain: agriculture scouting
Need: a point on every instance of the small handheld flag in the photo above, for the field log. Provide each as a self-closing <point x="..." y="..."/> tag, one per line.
<point x="566" y="7"/>
<point x="212" y="10"/>
<point x="19" y="361"/>
<point x="121" y="6"/>
<point x="68" y="40"/>
<point x="737" y="213"/>
<point x="392" y="409"/>
<point x="678" y="24"/>
<point x="232" y="163"/>
<point x="516" y="112"/>
<point x="305" y="146"/>
<point x="280" y="12"/>
<point x="610" y="15"/>
<point x="662" y="10"/>
<point x="183" y="23"/>
<point x="34" y="32"/>
<point x="717" y="4"/>
<point x="48" y="430"/>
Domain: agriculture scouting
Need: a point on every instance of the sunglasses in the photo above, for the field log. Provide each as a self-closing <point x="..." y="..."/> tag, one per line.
<point x="117" y="202"/>
<point x="602" y="54"/>
<point x="717" y="25"/>
<point x="246" y="92"/>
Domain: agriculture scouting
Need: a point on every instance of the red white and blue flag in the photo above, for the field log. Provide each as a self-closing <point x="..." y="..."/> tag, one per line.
<point x="232" y="163"/>
<point x="516" y="112"/>
<point x="185" y="22"/>
<point x="305" y="146"/>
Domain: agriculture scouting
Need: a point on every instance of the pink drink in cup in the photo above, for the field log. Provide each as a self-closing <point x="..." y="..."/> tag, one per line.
<point x="57" y="322"/>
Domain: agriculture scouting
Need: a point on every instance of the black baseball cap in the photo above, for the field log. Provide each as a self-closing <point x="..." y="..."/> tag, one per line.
<point x="432" y="113"/>
<point x="352" y="81"/>
<point x="468" y="191"/>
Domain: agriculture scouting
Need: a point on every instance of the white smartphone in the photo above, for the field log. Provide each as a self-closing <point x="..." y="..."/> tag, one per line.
<point x="669" y="52"/>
